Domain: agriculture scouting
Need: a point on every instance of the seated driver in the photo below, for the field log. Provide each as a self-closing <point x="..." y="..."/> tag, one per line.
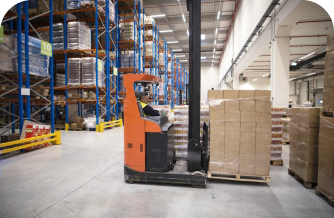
<point x="148" y="110"/>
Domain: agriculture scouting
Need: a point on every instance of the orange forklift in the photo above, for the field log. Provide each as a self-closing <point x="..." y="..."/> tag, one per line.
<point x="149" y="154"/>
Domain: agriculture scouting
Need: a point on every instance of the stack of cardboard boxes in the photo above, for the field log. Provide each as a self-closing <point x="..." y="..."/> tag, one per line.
<point x="286" y="130"/>
<point x="240" y="132"/>
<point x="326" y="134"/>
<point x="304" y="131"/>
<point x="276" y="133"/>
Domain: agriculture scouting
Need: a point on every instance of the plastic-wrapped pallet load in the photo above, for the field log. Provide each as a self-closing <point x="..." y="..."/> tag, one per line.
<point x="89" y="72"/>
<point x="74" y="4"/>
<point x="181" y="123"/>
<point x="78" y="36"/>
<point x="149" y="48"/>
<point x="286" y="130"/>
<point x="240" y="132"/>
<point x="7" y="49"/>
<point x="125" y="60"/>
<point x="328" y="94"/>
<point x="304" y="134"/>
<point x="276" y="133"/>
<point x="74" y="71"/>
<point x="58" y="37"/>
<point x="60" y="80"/>
<point x="128" y="32"/>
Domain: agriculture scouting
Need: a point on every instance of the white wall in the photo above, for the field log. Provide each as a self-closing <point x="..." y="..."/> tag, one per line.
<point x="209" y="79"/>
<point x="260" y="84"/>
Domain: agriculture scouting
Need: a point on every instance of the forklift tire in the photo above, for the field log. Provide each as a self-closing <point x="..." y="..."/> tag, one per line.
<point x="130" y="181"/>
<point x="199" y="173"/>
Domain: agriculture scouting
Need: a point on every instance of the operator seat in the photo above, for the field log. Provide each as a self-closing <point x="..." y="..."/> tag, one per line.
<point x="140" y="108"/>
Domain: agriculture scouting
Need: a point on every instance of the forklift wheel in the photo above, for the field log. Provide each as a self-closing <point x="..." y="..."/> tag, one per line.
<point x="130" y="181"/>
<point x="198" y="173"/>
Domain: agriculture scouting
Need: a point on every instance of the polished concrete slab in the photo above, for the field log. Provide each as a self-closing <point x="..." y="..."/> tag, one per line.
<point x="83" y="177"/>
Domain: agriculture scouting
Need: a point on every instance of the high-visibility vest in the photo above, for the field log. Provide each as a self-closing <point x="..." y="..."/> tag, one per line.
<point x="143" y="105"/>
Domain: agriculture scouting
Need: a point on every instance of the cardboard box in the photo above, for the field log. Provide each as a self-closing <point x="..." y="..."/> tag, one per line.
<point x="232" y="106"/>
<point x="248" y="127"/>
<point x="231" y="168"/>
<point x="14" y="137"/>
<point x="328" y="98"/>
<point x="216" y="105"/>
<point x="263" y="106"/>
<point x="216" y="167"/>
<point x="247" y="106"/>
<point x="247" y="170"/>
<point x="74" y="125"/>
<point x="309" y="172"/>
<point x="326" y="126"/>
<point x="217" y="131"/>
<point x="308" y="145"/>
<point x="248" y="159"/>
<point x="309" y="117"/>
<point x="262" y="95"/>
<point x="217" y="116"/>
<point x="326" y="165"/>
<point x="326" y="145"/>
<point x="263" y="149"/>
<point x="329" y="79"/>
<point x="232" y="116"/>
<point x="261" y="170"/>
<point x="325" y="183"/>
<point x="246" y="95"/>
<point x="264" y="128"/>
<point x="232" y="144"/>
<point x="215" y="94"/>
<point x="247" y="140"/>
<point x="247" y="117"/>
<point x="329" y="62"/>
<point x="232" y="127"/>
<point x="262" y="117"/>
<point x="231" y="94"/>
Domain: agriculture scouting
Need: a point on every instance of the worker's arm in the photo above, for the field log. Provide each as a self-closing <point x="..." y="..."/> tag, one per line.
<point x="148" y="110"/>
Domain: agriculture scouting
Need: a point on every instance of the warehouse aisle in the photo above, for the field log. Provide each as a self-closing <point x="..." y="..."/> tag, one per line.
<point x="83" y="177"/>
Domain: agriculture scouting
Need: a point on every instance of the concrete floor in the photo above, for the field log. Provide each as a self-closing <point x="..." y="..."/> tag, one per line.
<point x="83" y="177"/>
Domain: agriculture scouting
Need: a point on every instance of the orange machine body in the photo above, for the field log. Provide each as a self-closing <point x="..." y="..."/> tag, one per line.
<point x="135" y="126"/>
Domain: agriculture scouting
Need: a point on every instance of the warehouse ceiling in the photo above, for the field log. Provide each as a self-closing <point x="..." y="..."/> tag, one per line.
<point x="173" y="20"/>
<point x="308" y="35"/>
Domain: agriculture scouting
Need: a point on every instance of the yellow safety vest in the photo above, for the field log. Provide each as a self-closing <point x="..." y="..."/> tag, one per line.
<point x="143" y="105"/>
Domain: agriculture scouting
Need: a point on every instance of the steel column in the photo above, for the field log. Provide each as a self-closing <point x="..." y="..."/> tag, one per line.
<point x="66" y="74"/>
<point x="51" y="67"/>
<point x="96" y="65"/>
<point x="26" y="51"/>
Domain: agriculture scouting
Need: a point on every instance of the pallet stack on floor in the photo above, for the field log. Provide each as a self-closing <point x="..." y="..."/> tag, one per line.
<point x="286" y="130"/>
<point x="240" y="135"/>
<point x="326" y="135"/>
<point x="276" y="136"/>
<point x="304" y="134"/>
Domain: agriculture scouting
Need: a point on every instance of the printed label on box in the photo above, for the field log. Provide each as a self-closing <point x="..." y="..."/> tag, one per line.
<point x="115" y="71"/>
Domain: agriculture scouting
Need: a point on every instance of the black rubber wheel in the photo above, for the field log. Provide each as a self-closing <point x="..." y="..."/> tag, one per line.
<point x="130" y="181"/>
<point x="198" y="173"/>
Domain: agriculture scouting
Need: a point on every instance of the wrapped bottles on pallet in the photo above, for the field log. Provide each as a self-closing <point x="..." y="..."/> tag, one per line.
<point x="74" y="67"/>
<point x="276" y="133"/>
<point x="78" y="36"/>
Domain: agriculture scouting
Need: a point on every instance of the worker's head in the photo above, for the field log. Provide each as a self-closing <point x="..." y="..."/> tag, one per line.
<point x="144" y="98"/>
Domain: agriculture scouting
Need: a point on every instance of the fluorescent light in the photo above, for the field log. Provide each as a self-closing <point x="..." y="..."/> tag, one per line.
<point x="203" y="37"/>
<point x="171" y="42"/>
<point x="218" y="15"/>
<point x="292" y="79"/>
<point x="177" y="50"/>
<point x="310" y="74"/>
<point x="254" y="79"/>
<point x="188" y="32"/>
<point x="214" y="50"/>
<point x="307" y="56"/>
<point x="293" y="64"/>
<point x="166" y="31"/>
<point x="203" y="57"/>
<point x="158" y="15"/>
<point x="184" y="19"/>
<point x="265" y="75"/>
<point x="215" y="41"/>
<point x="180" y="56"/>
<point x="213" y="56"/>
<point x="212" y="65"/>
<point x="183" y="60"/>
<point x="216" y="30"/>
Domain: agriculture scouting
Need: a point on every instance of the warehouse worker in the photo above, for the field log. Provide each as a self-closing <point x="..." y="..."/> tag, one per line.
<point x="148" y="110"/>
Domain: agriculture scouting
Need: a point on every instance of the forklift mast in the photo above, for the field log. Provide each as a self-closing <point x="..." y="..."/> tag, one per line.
<point x="194" y="145"/>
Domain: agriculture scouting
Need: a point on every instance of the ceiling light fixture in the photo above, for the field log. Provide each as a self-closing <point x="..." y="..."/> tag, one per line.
<point x="166" y="31"/>
<point x="183" y="60"/>
<point x="158" y="15"/>
<point x="310" y="74"/>
<point x="202" y="36"/>
<point x="203" y="57"/>
<point x="213" y="56"/>
<point x="184" y="19"/>
<point x="171" y="42"/>
<point x="293" y="64"/>
<point x="306" y="56"/>
<point x="188" y="32"/>
<point x="254" y="79"/>
<point x="265" y="75"/>
<point x="177" y="50"/>
<point x="216" y="31"/>
<point x="215" y="41"/>
<point x="180" y="56"/>
<point x="292" y="79"/>
<point x="218" y="15"/>
<point x="214" y="50"/>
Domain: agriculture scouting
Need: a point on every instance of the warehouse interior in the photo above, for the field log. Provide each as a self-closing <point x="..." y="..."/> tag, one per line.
<point x="144" y="108"/>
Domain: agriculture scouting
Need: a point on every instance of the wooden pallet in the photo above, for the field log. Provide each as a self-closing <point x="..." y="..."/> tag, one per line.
<point x="239" y="177"/>
<point x="300" y="179"/>
<point x="284" y="142"/>
<point x="327" y="112"/>
<point x="276" y="162"/>
<point x="75" y="129"/>
<point x="60" y="128"/>
<point x="319" y="191"/>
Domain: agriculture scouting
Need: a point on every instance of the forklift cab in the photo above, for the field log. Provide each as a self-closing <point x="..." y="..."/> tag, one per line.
<point x="149" y="154"/>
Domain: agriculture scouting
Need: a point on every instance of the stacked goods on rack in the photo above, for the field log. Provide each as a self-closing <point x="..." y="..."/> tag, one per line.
<point x="125" y="60"/>
<point x="74" y="4"/>
<point x="89" y="72"/>
<point x="149" y="20"/>
<point x="128" y="32"/>
<point x="304" y="134"/>
<point x="286" y="130"/>
<point x="149" y="49"/>
<point x="181" y="123"/>
<point x="240" y="132"/>
<point x="161" y="59"/>
<point x="328" y="95"/>
<point x="74" y="71"/>
<point x="162" y="86"/>
<point x="60" y="80"/>
<point x="276" y="133"/>
<point x="78" y="36"/>
<point x="58" y="37"/>
<point x="38" y="64"/>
